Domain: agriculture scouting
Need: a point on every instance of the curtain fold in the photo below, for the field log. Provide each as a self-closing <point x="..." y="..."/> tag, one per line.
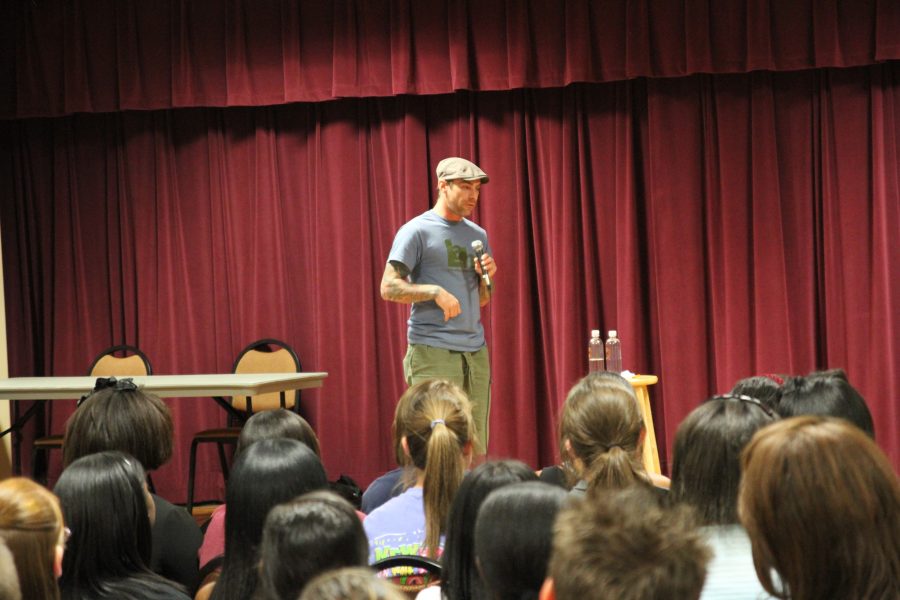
<point x="725" y="225"/>
<point x="63" y="57"/>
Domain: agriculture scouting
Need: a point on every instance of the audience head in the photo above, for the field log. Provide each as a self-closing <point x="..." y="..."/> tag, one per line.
<point x="460" y="580"/>
<point x="623" y="544"/>
<point x="827" y="394"/>
<point x="278" y="423"/>
<point x="350" y="583"/>
<point x="707" y="467"/>
<point x="9" y="578"/>
<point x="821" y="504"/>
<point x="514" y="538"/>
<point x="438" y="440"/>
<point x="265" y="474"/>
<point x="309" y="535"/>
<point x="105" y="501"/>
<point x="601" y="432"/>
<point x="31" y="525"/>
<point x="124" y="418"/>
<point x="765" y="388"/>
<point x="402" y="417"/>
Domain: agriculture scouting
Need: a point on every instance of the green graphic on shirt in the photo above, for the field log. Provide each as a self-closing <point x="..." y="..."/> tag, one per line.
<point x="457" y="257"/>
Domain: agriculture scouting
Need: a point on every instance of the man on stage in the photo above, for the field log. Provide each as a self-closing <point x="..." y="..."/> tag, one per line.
<point x="434" y="266"/>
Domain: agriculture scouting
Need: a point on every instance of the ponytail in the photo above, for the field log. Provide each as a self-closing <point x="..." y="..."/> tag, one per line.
<point x="439" y="428"/>
<point x="444" y="471"/>
<point x="614" y="469"/>
<point x="601" y="425"/>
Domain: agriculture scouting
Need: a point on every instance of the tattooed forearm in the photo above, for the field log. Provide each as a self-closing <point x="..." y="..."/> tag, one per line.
<point x="396" y="288"/>
<point x="400" y="290"/>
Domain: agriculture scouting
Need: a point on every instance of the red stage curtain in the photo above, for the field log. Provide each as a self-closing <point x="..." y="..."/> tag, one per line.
<point x="65" y="56"/>
<point x="725" y="225"/>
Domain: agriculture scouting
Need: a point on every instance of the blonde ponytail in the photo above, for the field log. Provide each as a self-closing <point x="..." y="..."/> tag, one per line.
<point x="439" y="431"/>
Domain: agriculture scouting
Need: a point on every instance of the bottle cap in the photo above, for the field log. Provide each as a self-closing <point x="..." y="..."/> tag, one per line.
<point x="612" y="333"/>
<point x="595" y="333"/>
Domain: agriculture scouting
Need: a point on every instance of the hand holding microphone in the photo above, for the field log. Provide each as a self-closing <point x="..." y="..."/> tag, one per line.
<point x="478" y="248"/>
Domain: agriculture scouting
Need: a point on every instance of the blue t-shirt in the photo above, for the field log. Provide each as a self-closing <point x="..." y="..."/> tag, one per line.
<point x="398" y="527"/>
<point x="439" y="252"/>
<point x="382" y="489"/>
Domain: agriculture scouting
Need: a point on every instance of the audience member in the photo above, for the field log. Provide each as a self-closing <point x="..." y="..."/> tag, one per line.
<point x="32" y="527"/>
<point x="513" y="538"/>
<point x="398" y="480"/>
<point x="601" y="434"/>
<point x="9" y="577"/>
<point x="706" y="474"/>
<point x="105" y="501"/>
<point x="827" y="394"/>
<point x="821" y="504"/>
<point x="460" y="579"/>
<point x="265" y="425"/>
<point x="350" y="583"/>
<point x="623" y="544"/>
<point x="309" y="535"/>
<point x="765" y="388"/>
<point x="125" y="418"/>
<point x="438" y="442"/>
<point x="265" y="474"/>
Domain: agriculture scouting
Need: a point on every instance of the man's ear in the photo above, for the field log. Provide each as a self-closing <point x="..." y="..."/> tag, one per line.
<point x="548" y="591"/>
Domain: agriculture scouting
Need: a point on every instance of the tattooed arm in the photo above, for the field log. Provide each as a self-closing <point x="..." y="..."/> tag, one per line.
<point x="396" y="287"/>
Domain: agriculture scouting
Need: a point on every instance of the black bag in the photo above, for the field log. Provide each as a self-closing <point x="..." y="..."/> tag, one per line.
<point x="347" y="489"/>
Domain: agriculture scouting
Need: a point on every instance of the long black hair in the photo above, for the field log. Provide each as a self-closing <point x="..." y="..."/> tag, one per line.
<point x="460" y="580"/>
<point x="104" y="502"/>
<point x="266" y="473"/>
<point x="514" y="538"/>
<point x="309" y="535"/>
<point x="708" y="444"/>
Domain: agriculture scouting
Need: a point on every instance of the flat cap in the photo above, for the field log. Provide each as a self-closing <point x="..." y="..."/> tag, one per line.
<point x="455" y="167"/>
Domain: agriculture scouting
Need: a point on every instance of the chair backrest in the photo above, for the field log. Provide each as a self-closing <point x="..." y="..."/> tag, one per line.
<point x="267" y="356"/>
<point x="411" y="584"/>
<point x="132" y="362"/>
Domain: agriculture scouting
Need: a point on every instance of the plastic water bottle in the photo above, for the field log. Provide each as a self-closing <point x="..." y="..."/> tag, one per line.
<point x="595" y="352"/>
<point x="613" y="353"/>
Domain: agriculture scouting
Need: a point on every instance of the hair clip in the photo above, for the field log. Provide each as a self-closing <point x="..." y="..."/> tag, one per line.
<point x="748" y="400"/>
<point x="436" y="421"/>
<point x="126" y="384"/>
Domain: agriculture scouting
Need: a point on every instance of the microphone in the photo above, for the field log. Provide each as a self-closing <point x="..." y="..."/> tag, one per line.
<point x="478" y="247"/>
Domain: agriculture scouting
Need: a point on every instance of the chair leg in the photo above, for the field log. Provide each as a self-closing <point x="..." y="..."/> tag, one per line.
<point x="192" y="465"/>
<point x="223" y="461"/>
<point x="39" y="471"/>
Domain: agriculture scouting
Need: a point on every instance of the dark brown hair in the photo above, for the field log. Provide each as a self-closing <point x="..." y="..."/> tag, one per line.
<point x="277" y="423"/>
<point x="135" y="422"/>
<point x="623" y="544"/>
